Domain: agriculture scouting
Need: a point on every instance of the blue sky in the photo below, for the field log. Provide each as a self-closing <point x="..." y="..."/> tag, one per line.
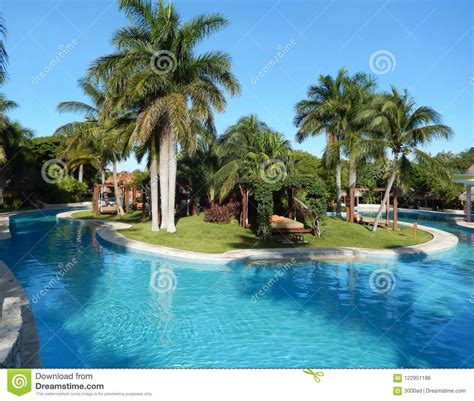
<point x="428" y="45"/>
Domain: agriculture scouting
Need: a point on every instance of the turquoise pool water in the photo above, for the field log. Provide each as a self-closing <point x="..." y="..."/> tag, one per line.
<point x="100" y="306"/>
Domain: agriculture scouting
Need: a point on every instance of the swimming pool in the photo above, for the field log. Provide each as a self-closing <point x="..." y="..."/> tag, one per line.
<point x="102" y="306"/>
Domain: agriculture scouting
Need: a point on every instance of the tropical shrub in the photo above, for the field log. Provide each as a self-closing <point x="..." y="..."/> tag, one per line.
<point x="315" y="198"/>
<point x="65" y="190"/>
<point x="222" y="214"/>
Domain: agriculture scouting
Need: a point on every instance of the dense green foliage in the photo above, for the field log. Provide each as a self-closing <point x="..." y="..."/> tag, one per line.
<point x="312" y="188"/>
<point x="66" y="190"/>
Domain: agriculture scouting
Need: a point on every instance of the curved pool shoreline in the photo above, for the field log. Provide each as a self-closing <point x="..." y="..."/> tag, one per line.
<point x="109" y="231"/>
<point x="100" y="305"/>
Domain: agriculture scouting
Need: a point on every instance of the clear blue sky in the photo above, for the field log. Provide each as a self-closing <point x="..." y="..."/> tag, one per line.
<point x="430" y="41"/>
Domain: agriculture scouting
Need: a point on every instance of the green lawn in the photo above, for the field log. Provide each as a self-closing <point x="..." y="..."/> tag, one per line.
<point x="196" y="235"/>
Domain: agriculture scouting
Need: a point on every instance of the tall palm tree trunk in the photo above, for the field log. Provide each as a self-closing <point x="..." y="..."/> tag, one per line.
<point x="155" y="224"/>
<point x="81" y="173"/>
<point x="172" y="167"/>
<point x="164" y="179"/>
<point x="352" y="172"/>
<point x="338" y="189"/>
<point x="386" y="196"/>
<point x="118" y="196"/>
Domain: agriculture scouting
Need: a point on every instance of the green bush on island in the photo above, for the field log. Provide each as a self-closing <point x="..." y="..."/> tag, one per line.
<point x="66" y="190"/>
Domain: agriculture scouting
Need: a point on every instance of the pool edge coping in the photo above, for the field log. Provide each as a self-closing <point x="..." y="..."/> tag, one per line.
<point x="464" y="224"/>
<point x="442" y="241"/>
<point x="28" y="338"/>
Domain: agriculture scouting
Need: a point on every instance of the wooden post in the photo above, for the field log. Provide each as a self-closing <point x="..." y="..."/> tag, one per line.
<point x="395" y="210"/>
<point x="415" y="226"/>
<point x="388" y="210"/>
<point x="143" y="205"/>
<point x="468" y="203"/>
<point x="246" y="217"/>
<point x="290" y="203"/>
<point x="351" y="204"/>
<point x="95" y="200"/>
<point x="134" y="196"/>
<point x="244" y="207"/>
<point x="127" y="199"/>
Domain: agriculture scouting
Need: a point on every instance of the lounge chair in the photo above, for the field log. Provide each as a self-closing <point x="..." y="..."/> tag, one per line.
<point x="284" y="225"/>
<point x="368" y="221"/>
<point x="109" y="210"/>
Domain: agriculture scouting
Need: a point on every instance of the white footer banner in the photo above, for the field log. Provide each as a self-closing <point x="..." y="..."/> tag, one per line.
<point x="237" y="384"/>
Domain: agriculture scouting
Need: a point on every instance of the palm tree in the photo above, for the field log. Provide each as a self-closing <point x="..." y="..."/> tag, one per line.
<point x="7" y="137"/>
<point x="323" y="113"/>
<point x="3" y="53"/>
<point x="398" y="127"/>
<point x="245" y="148"/>
<point x="157" y="73"/>
<point x="197" y="169"/>
<point x="360" y="92"/>
<point x="14" y="141"/>
<point x="330" y="109"/>
<point x="94" y="133"/>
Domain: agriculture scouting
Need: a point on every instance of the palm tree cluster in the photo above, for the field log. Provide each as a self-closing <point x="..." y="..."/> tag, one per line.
<point x="156" y="77"/>
<point x="156" y="95"/>
<point x="362" y="124"/>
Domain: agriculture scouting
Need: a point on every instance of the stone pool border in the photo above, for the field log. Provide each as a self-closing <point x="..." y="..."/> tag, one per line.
<point x="19" y="343"/>
<point x="442" y="241"/>
<point x="465" y="224"/>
